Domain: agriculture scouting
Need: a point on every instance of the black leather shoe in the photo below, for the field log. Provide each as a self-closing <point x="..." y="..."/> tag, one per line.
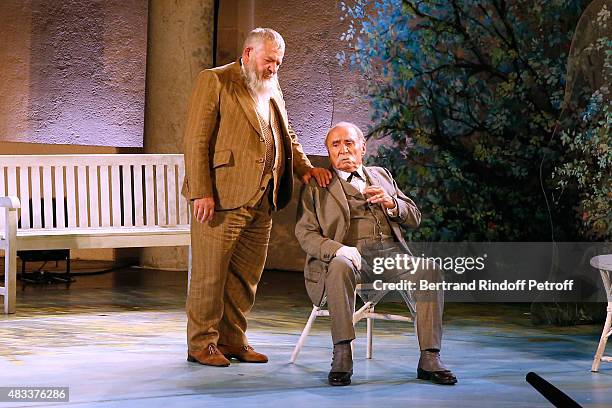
<point x="445" y="377"/>
<point x="342" y="365"/>
<point x="431" y="368"/>
<point x="339" y="378"/>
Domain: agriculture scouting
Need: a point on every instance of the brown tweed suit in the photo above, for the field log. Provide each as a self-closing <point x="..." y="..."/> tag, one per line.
<point x="224" y="158"/>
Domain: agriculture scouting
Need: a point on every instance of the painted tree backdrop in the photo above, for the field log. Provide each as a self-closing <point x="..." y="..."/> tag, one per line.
<point x="471" y="93"/>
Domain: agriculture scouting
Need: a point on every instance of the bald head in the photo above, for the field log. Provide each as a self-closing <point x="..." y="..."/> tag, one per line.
<point x="344" y="127"/>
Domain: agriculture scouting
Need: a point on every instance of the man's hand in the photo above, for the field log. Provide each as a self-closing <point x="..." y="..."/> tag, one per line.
<point x="352" y="254"/>
<point x="378" y="195"/>
<point x="323" y="176"/>
<point x="203" y="209"/>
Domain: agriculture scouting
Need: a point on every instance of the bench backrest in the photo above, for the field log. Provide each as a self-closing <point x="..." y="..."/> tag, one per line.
<point x="102" y="190"/>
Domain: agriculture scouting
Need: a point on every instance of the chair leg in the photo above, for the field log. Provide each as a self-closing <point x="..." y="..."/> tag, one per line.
<point x="603" y="340"/>
<point x="302" y="339"/>
<point x="369" y="331"/>
<point x="409" y="302"/>
<point x="354" y="323"/>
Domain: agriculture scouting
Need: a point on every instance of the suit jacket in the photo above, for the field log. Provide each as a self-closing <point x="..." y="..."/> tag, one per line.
<point x="224" y="145"/>
<point x="324" y="219"/>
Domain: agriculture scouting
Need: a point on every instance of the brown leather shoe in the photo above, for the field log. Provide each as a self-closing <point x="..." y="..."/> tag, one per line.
<point x="246" y="354"/>
<point x="209" y="356"/>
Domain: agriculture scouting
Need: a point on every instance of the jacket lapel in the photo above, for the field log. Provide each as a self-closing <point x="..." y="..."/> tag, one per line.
<point x="244" y="98"/>
<point x="372" y="177"/>
<point x="336" y="191"/>
<point x="279" y="104"/>
<point x="248" y="106"/>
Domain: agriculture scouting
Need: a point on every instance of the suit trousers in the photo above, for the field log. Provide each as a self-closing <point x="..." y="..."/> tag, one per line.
<point x="228" y="257"/>
<point x="342" y="278"/>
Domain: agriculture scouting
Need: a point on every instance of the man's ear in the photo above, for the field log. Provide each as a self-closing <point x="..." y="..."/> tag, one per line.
<point x="246" y="55"/>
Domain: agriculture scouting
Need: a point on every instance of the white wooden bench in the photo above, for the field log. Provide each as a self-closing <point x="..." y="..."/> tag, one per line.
<point x="88" y="201"/>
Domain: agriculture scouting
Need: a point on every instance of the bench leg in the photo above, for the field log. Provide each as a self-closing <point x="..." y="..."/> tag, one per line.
<point x="302" y="339"/>
<point x="601" y="348"/>
<point x="10" y="265"/>
<point x="10" y="281"/>
<point x="68" y="277"/>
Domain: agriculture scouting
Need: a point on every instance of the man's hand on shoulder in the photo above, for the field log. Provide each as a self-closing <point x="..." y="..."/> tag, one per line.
<point x="321" y="175"/>
<point x="203" y="209"/>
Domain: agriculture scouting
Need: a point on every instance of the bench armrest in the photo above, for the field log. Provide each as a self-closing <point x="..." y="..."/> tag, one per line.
<point x="10" y="202"/>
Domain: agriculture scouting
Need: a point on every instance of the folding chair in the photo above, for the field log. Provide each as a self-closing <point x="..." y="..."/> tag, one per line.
<point x="365" y="312"/>
<point x="604" y="264"/>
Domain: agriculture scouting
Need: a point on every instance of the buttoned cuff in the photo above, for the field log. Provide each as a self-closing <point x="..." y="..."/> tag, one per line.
<point x="329" y="249"/>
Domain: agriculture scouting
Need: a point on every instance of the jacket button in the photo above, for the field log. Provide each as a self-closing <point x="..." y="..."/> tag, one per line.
<point x="261" y="139"/>
<point x="262" y="188"/>
<point x="260" y="160"/>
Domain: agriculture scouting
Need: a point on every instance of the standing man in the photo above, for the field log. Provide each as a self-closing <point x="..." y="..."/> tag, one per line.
<point x="240" y="156"/>
<point x="342" y="228"/>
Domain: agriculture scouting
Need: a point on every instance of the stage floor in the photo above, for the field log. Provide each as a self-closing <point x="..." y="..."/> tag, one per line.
<point x="118" y="340"/>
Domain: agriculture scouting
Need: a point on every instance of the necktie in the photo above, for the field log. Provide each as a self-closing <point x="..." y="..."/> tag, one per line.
<point x="354" y="174"/>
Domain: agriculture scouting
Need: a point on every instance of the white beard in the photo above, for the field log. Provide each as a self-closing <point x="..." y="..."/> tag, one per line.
<point x="261" y="88"/>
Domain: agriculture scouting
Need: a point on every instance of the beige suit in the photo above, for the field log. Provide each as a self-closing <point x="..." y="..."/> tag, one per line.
<point x="225" y="152"/>
<point x="322" y="226"/>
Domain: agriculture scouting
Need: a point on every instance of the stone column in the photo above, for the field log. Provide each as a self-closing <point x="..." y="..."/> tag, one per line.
<point x="180" y="44"/>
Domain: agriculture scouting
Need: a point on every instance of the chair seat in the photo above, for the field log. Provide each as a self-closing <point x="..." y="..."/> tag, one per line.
<point x="603" y="262"/>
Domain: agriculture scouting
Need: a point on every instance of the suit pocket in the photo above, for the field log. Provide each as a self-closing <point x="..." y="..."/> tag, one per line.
<point x="312" y="276"/>
<point x="185" y="189"/>
<point x="222" y="158"/>
<point x="313" y="270"/>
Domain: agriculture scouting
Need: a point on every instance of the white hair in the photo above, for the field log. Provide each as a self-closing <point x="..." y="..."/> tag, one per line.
<point x="346" y="125"/>
<point x="258" y="35"/>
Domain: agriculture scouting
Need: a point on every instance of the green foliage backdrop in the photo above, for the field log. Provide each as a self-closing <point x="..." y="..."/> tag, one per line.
<point x="470" y="93"/>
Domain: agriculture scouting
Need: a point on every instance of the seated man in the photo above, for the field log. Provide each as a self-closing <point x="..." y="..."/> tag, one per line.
<point x="342" y="228"/>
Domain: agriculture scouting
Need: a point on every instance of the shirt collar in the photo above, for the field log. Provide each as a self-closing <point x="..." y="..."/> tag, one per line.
<point x="344" y="175"/>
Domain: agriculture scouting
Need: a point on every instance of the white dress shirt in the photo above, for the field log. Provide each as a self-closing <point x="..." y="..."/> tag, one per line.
<point x="360" y="184"/>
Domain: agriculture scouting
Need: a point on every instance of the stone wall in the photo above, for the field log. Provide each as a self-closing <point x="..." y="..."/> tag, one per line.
<point x="73" y="71"/>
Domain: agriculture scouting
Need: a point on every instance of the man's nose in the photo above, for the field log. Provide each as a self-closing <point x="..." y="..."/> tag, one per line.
<point x="273" y="69"/>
